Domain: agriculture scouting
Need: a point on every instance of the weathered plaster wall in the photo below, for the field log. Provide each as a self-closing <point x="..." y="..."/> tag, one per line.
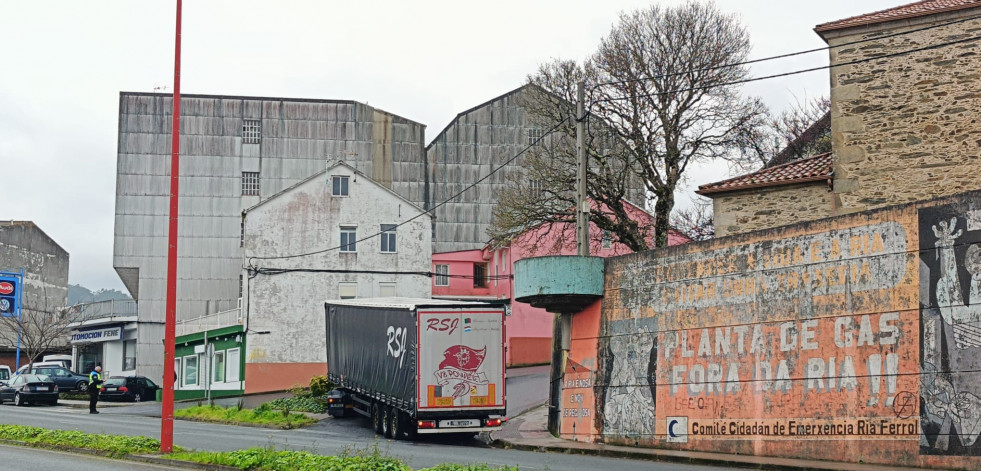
<point x="763" y="208"/>
<point x="905" y="128"/>
<point x="856" y="338"/>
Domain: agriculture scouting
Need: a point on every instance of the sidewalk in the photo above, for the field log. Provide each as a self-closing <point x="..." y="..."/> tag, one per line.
<point x="529" y="432"/>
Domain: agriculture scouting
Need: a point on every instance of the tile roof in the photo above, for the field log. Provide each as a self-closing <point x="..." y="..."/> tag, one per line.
<point x="811" y="169"/>
<point x="912" y="10"/>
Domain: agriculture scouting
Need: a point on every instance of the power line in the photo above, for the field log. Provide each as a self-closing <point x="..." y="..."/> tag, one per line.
<point x="434" y="208"/>
<point x="796" y="72"/>
<point x="790" y="54"/>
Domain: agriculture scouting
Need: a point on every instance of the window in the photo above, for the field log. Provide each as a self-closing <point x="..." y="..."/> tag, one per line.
<point x="442" y="275"/>
<point x="339" y="185"/>
<point x="349" y="239"/>
<point x="129" y="355"/>
<point x="537" y="186"/>
<point x="190" y="370"/>
<point x="250" y="185"/>
<point x="233" y="365"/>
<point x="219" y="367"/>
<point x="251" y="131"/>
<point x="386" y="290"/>
<point x="535" y="135"/>
<point x="347" y="290"/>
<point x="480" y="275"/>
<point x="388" y="238"/>
<point x="607" y="239"/>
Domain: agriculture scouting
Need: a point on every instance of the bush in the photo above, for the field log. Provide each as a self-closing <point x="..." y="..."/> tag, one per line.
<point x="262" y="415"/>
<point x="320" y="385"/>
<point x="299" y="404"/>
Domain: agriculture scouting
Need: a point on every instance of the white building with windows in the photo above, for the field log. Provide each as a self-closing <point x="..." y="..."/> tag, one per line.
<point x="337" y="234"/>
<point x="235" y="152"/>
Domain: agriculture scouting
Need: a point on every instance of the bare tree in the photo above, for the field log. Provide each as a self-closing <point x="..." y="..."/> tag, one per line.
<point x="41" y="328"/>
<point x="696" y="221"/>
<point x="662" y="97"/>
<point x="802" y="131"/>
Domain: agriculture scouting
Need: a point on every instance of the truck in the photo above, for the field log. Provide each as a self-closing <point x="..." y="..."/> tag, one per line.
<point x="417" y="366"/>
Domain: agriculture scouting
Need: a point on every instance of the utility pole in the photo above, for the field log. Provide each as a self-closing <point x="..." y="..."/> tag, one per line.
<point x="582" y="208"/>
<point x="170" y="321"/>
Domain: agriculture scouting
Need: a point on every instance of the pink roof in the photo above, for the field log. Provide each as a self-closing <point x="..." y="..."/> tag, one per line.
<point x="811" y="169"/>
<point x="912" y="10"/>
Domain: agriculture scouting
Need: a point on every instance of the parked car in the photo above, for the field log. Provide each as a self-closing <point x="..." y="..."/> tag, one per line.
<point x="129" y="388"/>
<point x="64" y="378"/>
<point x="38" y="364"/>
<point x="4" y="374"/>
<point x="30" y="388"/>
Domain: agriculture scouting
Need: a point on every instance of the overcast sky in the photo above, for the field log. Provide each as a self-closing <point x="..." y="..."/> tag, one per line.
<point x="64" y="63"/>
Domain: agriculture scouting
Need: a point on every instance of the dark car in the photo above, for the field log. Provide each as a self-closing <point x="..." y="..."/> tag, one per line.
<point x="34" y="389"/>
<point x="64" y="378"/>
<point x="129" y="388"/>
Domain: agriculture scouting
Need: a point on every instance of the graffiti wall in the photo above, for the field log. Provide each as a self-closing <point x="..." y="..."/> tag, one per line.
<point x="854" y="339"/>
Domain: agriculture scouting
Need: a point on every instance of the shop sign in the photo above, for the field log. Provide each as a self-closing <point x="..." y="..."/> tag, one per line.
<point x="100" y="335"/>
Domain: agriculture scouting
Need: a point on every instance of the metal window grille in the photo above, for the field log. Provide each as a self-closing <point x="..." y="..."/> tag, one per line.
<point x="480" y="275"/>
<point x="607" y="239"/>
<point x="388" y="238"/>
<point x="250" y="183"/>
<point x="442" y="275"/>
<point x="339" y="185"/>
<point x="534" y="134"/>
<point x="251" y="131"/>
<point x="349" y="237"/>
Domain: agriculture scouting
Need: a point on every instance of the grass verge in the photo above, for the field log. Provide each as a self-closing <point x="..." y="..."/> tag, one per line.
<point x="109" y="445"/>
<point x="260" y="416"/>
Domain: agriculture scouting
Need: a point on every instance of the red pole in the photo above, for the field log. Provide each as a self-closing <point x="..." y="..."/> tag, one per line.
<point x="170" y="323"/>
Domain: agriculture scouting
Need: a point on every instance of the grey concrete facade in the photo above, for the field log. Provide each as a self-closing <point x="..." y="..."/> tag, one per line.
<point x="23" y="245"/>
<point x="235" y="152"/>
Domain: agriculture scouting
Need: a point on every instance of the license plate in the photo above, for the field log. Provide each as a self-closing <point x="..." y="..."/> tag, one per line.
<point x="41" y="388"/>
<point x="110" y="389"/>
<point x="459" y="423"/>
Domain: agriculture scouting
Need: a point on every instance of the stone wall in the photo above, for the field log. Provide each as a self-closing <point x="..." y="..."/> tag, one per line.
<point x="762" y="208"/>
<point x="905" y="128"/>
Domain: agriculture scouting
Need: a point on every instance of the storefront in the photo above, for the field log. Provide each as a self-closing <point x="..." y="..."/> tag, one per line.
<point x="210" y="364"/>
<point x="111" y="346"/>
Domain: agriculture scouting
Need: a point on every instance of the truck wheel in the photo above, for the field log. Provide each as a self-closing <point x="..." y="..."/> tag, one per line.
<point x="395" y="418"/>
<point x="376" y="418"/>
<point x="387" y="419"/>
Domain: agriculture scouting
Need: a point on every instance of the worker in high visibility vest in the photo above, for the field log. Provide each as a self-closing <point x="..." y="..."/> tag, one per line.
<point x="95" y="384"/>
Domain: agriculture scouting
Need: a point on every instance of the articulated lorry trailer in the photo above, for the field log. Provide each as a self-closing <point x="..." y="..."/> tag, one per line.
<point x="423" y="366"/>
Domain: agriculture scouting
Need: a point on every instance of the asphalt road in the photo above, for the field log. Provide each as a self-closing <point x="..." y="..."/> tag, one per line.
<point x="328" y="437"/>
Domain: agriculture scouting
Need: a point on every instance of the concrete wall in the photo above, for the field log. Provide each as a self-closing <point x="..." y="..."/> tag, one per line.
<point x="854" y="339"/>
<point x="289" y="306"/>
<point x="298" y="137"/>
<point x="905" y="128"/>
<point x="763" y="208"/>
<point x="25" y="246"/>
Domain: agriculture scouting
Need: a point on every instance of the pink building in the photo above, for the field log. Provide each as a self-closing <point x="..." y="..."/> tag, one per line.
<point x="486" y="275"/>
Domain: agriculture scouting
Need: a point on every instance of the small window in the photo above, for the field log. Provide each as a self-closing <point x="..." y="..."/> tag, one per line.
<point x="129" y="355"/>
<point x="442" y="275"/>
<point x="234" y="363"/>
<point x="480" y="275"/>
<point x="250" y="185"/>
<point x="388" y="238"/>
<point x="339" y="185"/>
<point x="349" y="239"/>
<point x="386" y="290"/>
<point x="607" y="239"/>
<point x="219" y="367"/>
<point x="251" y="131"/>
<point x="347" y="290"/>
<point x="190" y="370"/>
<point x="535" y="135"/>
<point x="537" y="186"/>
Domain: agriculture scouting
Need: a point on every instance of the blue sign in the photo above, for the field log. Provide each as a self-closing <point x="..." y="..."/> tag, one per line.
<point x="9" y="288"/>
